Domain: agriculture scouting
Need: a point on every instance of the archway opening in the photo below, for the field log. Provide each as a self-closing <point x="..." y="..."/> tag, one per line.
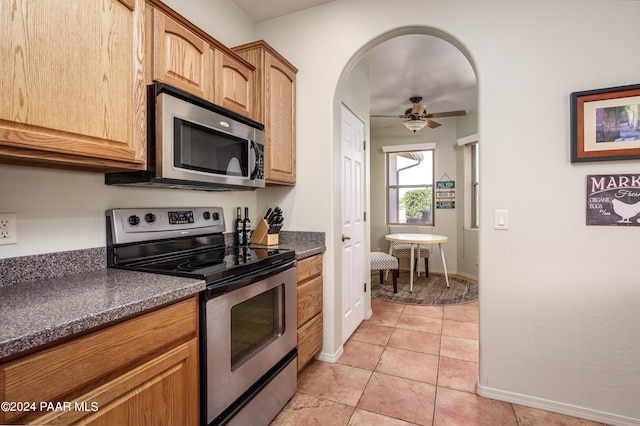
<point x="359" y="96"/>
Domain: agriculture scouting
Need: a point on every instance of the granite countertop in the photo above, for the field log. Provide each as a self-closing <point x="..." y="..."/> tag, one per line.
<point x="44" y="298"/>
<point x="42" y="311"/>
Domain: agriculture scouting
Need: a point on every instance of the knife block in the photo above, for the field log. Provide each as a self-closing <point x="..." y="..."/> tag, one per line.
<point x="261" y="236"/>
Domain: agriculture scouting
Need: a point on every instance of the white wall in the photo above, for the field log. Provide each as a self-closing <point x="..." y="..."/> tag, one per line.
<point x="559" y="313"/>
<point x="60" y="210"/>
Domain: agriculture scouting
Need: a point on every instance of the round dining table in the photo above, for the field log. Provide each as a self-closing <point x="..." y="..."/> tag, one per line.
<point x="414" y="240"/>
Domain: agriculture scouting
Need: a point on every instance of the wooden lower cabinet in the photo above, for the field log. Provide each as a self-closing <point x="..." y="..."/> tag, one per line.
<point x="140" y="371"/>
<point x="309" y="277"/>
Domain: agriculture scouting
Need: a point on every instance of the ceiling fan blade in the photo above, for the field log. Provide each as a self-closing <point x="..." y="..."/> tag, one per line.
<point x="394" y="124"/>
<point x="446" y="114"/>
<point x="432" y="124"/>
<point x="388" y="116"/>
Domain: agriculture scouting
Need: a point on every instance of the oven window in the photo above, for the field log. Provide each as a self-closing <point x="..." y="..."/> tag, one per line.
<point x="207" y="150"/>
<point x="255" y="323"/>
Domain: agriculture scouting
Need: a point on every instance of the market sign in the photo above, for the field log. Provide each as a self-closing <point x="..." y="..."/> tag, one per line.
<point x="613" y="200"/>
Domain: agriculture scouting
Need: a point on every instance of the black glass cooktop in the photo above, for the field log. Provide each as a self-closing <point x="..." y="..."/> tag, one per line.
<point x="215" y="263"/>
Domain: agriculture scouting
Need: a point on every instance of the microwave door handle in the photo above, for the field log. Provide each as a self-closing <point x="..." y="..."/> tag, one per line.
<point x="256" y="163"/>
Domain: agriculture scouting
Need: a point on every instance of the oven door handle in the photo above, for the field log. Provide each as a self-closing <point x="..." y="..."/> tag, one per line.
<point x="238" y="281"/>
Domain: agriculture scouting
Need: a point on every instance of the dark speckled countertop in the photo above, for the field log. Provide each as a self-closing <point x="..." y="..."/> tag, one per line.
<point x="42" y="311"/>
<point x="44" y="298"/>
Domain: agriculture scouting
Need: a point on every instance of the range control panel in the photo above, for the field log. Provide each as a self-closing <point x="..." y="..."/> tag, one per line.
<point x="144" y="224"/>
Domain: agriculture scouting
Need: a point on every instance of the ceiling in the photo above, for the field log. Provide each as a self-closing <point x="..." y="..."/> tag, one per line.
<point x="263" y="10"/>
<point x="419" y="65"/>
<point x="400" y="68"/>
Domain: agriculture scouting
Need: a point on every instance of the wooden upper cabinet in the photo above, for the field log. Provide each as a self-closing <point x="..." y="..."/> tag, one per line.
<point x="233" y="84"/>
<point x="72" y="83"/>
<point x="180" y="57"/>
<point x="275" y="106"/>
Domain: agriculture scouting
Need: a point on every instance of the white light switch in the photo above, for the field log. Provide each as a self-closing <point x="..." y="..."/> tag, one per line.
<point x="501" y="219"/>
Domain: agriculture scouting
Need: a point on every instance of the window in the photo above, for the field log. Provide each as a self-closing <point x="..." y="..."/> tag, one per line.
<point x="410" y="184"/>
<point x="475" y="188"/>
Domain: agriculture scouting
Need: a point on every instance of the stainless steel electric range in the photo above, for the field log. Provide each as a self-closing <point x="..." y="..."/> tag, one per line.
<point x="247" y="312"/>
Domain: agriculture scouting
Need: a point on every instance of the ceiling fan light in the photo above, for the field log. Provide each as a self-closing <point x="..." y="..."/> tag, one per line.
<point x="414" y="125"/>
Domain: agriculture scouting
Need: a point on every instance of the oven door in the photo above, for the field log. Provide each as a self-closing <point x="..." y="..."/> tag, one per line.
<point x="247" y="332"/>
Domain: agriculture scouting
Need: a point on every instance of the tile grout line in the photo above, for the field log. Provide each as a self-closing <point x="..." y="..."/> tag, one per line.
<point x="435" y="393"/>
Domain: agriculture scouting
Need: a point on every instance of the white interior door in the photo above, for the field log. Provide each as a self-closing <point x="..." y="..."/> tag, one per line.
<point x="353" y="231"/>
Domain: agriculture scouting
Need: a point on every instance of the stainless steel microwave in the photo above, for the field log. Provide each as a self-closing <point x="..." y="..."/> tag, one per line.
<point x="194" y="144"/>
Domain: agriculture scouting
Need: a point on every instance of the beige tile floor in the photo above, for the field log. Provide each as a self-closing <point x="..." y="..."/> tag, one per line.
<point x="407" y="365"/>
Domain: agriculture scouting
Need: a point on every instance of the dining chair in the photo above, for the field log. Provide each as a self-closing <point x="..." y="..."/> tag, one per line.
<point x="403" y="250"/>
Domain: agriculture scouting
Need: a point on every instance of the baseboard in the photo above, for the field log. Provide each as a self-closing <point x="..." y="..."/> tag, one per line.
<point x="556" y="407"/>
<point x="471" y="277"/>
<point x="332" y="358"/>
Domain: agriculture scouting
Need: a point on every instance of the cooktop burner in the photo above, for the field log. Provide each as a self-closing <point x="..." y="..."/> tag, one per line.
<point x="182" y="242"/>
<point x="196" y="265"/>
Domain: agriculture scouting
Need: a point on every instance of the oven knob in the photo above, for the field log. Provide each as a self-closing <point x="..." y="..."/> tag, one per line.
<point x="134" y="220"/>
<point x="206" y="215"/>
<point x="150" y="217"/>
<point x="216" y="216"/>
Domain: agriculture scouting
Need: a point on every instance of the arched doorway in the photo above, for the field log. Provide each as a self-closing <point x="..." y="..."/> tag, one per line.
<point x="352" y="92"/>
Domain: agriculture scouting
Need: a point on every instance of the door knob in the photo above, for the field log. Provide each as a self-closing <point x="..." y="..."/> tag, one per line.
<point x="344" y="237"/>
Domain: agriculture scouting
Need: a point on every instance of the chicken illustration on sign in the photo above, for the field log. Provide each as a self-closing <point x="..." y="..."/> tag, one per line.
<point x="613" y="200"/>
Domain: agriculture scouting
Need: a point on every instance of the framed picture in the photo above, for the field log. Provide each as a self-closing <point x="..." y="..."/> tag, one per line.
<point x="605" y="124"/>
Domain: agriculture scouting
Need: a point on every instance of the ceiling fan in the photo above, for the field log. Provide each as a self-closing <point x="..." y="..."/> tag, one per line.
<point x="416" y="117"/>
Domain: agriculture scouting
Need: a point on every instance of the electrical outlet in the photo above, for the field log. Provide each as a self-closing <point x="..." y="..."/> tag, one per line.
<point x="8" y="233"/>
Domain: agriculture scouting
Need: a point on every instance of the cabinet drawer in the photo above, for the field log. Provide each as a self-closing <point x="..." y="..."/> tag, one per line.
<point x="56" y="372"/>
<point x="309" y="340"/>
<point x="309" y="300"/>
<point x="135" y="397"/>
<point x="309" y="267"/>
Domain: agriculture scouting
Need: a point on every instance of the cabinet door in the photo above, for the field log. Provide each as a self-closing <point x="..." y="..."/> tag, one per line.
<point x="233" y="84"/>
<point x="161" y="391"/>
<point x="72" y="82"/>
<point x="275" y="107"/>
<point x="280" y="113"/>
<point x="180" y="57"/>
